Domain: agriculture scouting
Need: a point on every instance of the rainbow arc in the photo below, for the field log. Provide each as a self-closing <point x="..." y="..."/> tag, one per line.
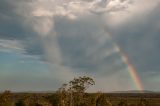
<point x="132" y="71"/>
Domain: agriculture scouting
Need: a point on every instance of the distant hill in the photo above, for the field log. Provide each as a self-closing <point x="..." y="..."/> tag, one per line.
<point x="49" y="91"/>
<point x="134" y="91"/>
<point x="38" y="92"/>
<point x="32" y="92"/>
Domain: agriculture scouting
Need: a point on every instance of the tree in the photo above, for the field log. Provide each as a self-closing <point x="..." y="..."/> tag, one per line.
<point x="77" y="88"/>
<point x="63" y="95"/>
<point x="72" y="94"/>
<point x="81" y="84"/>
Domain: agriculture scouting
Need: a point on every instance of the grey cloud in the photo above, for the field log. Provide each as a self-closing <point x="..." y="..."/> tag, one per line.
<point x="83" y="42"/>
<point x="86" y="46"/>
<point x="11" y="45"/>
<point x="17" y="23"/>
<point x="34" y="47"/>
<point x="139" y="37"/>
<point x="79" y="40"/>
<point x="12" y="23"/>
<point x="12" y="27"/>
<point x="104" y="7"/>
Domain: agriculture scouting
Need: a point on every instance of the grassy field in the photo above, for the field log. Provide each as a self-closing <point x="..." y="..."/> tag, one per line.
<point x="51" y="99"/>
<point x="134" y="99"/>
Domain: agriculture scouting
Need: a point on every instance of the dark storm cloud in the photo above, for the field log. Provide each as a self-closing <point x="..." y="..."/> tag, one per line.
<point x="84" y="45"/>
<point x="140" y="38"/>
<point x="12" y="24"/>
<point x="6" y="8"/>
<point x="80" y="39"/>
<point x="12" y="27"/>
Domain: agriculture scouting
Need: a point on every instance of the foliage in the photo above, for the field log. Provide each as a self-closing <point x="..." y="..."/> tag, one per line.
<point x="20" y="103"/>
<point x="53" y="99"/>
<point x="6" y="99"/>
<point x="73" y="93"/>
<point x="81" y="84"/>
<point x="102" y="101"/>
<point x="143" y="102"/>
<point x="89" y="99"/>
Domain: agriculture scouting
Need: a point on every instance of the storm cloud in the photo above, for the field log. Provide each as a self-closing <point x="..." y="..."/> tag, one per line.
<point x="79" y="37"/>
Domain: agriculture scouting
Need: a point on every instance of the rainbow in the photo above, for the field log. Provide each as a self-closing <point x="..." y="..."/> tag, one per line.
<point x="133" y="73"/>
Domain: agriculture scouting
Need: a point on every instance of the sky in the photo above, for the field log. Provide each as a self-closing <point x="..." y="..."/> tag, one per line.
<point x="45" y="43"/>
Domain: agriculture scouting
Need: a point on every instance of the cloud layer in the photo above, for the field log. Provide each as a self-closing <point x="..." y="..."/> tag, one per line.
<point x="79" y="37"/>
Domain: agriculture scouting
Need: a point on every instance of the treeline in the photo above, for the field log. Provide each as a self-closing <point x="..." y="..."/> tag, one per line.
<point x="96" y="99"/>
<point x="72" y="93"/>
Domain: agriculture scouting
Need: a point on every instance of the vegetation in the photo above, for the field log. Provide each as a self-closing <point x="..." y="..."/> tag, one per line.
<point x="6" y="99"/>
<point x="74" y="94"/>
